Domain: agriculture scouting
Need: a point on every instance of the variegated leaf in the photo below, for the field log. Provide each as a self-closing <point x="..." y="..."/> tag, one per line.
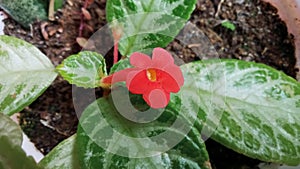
<point x="25" y="72"/>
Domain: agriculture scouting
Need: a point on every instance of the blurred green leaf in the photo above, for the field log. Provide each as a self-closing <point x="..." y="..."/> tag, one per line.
<point x="11" y="130"/>
<point x="25" y="11"/>
<point x="13" y="157"/>
<point x="58" y="4"/>
<point x="228" y="25"/>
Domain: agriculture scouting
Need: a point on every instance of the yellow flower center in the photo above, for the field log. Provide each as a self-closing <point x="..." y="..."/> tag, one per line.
<point x="151" y="75"/>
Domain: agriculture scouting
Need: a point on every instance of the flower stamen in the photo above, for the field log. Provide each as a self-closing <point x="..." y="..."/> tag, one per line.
<point x="151" y="75"/>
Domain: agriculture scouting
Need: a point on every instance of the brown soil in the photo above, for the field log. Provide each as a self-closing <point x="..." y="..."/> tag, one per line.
<point x="259" y="36"/>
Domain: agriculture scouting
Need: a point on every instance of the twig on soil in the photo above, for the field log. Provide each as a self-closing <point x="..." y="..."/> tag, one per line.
<point x="264" y="51"/>
<point x="46" y="123"/>
<point x="51" y="10"/>
<point x="214" y="34"/>
<point x="219" y="8"/>
<point x="43" y="30"/>
<point x="31" y="30"/>
<point x="193" y="45"/>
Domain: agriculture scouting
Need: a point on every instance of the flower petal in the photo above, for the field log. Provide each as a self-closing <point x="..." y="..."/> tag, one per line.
<point x="157" y="98"/>
<point x="161" y="58"/>
<point x="121" y="75"/>
<point x="140" y="60"/>
<point x="117" y="76"/>
<point x="137" y="81"/>
<point x="175" y="71"/>
<point x="168" y="83"/>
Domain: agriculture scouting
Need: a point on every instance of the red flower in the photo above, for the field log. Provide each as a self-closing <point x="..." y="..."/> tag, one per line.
<point x="154" y="78"/>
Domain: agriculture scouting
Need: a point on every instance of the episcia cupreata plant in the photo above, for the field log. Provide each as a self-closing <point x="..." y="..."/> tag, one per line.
<point x="162" y="114"/>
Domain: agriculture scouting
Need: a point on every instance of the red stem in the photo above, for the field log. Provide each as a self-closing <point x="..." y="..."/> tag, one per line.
<point x="81" y="28"/>
<point x="116" y="45"/>
<point x="82" y="25"/>
<point x="86" y="3"/>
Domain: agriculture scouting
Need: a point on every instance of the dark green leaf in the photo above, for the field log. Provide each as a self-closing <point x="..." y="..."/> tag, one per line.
<point x="25" y="73"/>
<point x="13" y="157"/>
<point x="105" y="139"/>
<point x="26" y="11"/>
<point x="259" y="108"/>
<point x="84" y="69"/>
<point x="61" y="157"/>
<point x="149" y="23"/>
<point x="11" y="130"/>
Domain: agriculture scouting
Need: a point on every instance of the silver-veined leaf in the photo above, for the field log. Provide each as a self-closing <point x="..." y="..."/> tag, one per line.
<point x="144" y="25"/>
<point x="251" y="108"/>
<point x="84" y="69"/>
<point x="25" y="72"/>
<point x="61" y="156"/>
<point x="105" y="139"/>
